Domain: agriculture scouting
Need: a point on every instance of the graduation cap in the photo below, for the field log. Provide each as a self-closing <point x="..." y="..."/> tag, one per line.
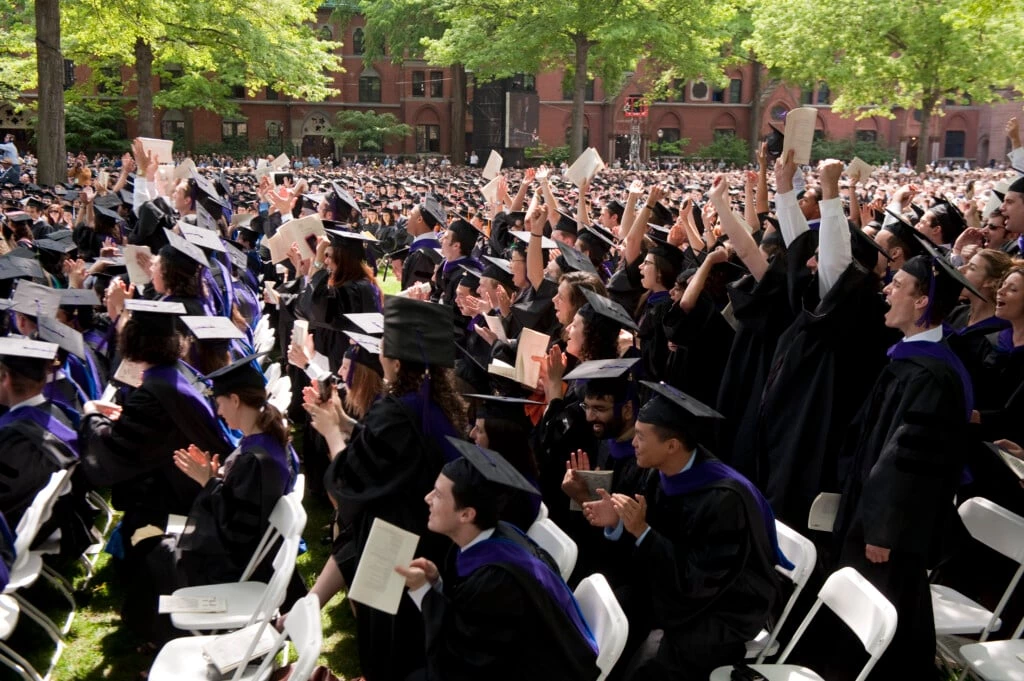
<point x="599" y="236"/>
<point x="14" y="265"/>
<point x="943" y="282"/>
<point x="79" y="297"/>
<point x="498" y="269"/>
<point x="420" y="332"/>
<point x="211" y="327"/>
<point x="400" y="254"/>
<point x="906" y="233"/>
<point x="370" y="322"/>
<point x="865" y="249"/>
<point x="1017" y="185"/>
<point x="500" y="407"/>
<point x="470" y="278"/>
<point x="242" y="373"/>
<point x="35" y="203"/>
<point x="201" y="237"/>
<point x="566" y="223"/>
<point x="572" y="260"/>
<point x="67" y="338"/>
<point x="609" y="309"/>
<point x="661" y="215"/>
<point x="57" y="247"/>
<point x="479" y="466"/>
<point x="26" y="357"/>
<point x="775" y="141"/>
<point x="155" y="317"/>
<point x="343" y="206"/>
<point x="61" y="235"/>
<point x="669" y="252"/>
<point x="364" y="350"/>
<point x="110" y="201"/>
<point x="545" y="242"/>
<point x="35" y="300"/>
<point x="352" y="242"/>
<point x="236" y="255"/>
<point x="602" y="368"/>
<point x="432" y="212"/>
<point x="184" y="247"/>
<point x="672" y="408"/>
<point x="107" y="213"/>
<point x="207" y="188"/>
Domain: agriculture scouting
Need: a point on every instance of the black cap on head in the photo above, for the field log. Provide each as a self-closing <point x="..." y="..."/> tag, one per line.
<point x="432" y="212"/>
<point x="609" y="309"/>
<point x="671" y="408"/>
<point x="661" y="215"/>
<point x="865" y="249"/>
<point x="906" y="233"/>
<point x="365" y="350"/>
<point x="470" y="278"/>
<point x="602" y="368"/>
<point x="572" y="260"/>
<point x="498" y="269"/>
<point x="181" y="250"/>
<point x="673" y="255"/>
<point x="29" y="358"/>
<point x="500" y="407"/>
<point x="418" y="331"/>
<point x="1017" y="185"/>
<point x="942" y="282"/>
<point x="239" y="375"/>
<point x="343" y="206"/>
<point x="484" y="466"/>
<point x="566" y="223"/>
<point x="14" y="265"/>
<point x="155" y="317"/>
<point x="354" y="243"/>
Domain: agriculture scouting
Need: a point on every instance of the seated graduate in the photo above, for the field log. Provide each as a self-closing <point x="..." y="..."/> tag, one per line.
<point x="38" y="436"/>
<point x="132" y="447"/>
<point x="904" y="459"/>
<point x="382" y="465"/>
<point x="498" y="608"/>
<point x="704" y="549"/>
<point x="236" y="497"/>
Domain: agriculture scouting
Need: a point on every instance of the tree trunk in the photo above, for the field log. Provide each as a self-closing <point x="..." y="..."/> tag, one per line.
<point x="756" y="107"/>
<point x="52" y="167"/>
<point x="924" y="144"/>
<point x="579" y="95"/>
<point x="190" y="129"/>
<point x="144" y="75"/>
<point x="458" y="114"/>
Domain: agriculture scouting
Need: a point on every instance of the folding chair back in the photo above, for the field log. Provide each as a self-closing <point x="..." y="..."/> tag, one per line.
<point x="552" y="539"/>
<point x="604" y="616"/>
<point x="37" y="514"/>
<point x="287" y="518"/>
<point x="995" y="527"/>
<point x="803" y="555"/>
<point x="277" y="587"/>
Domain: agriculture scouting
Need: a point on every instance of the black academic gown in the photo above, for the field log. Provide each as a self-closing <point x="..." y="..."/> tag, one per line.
<point x="823" y="368"/>
<point x="499" y="623"/>
<point x="419" y="265"/>
<point x="762" y="314"/>
<point x="704" y="576"/>
<point x="654" y="352"/>
<point x="385" y="472"/>
<point x="902" y="465"/>
<point x="703" y="338"/>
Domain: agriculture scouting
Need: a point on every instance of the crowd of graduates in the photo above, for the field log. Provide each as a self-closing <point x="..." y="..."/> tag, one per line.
<point x="727" y="347"/>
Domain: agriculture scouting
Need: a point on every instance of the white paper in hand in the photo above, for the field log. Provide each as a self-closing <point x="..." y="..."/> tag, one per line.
<point x="163" y="150"/>
<point x="490" y="191"/>
<point x="376" y="583"/>
<point x="585" y="167"/>
<point x="595" y="480"/>
<point x="493" y="166"/>
<point x="861" y="168"/>
<point x="800" y="134"/>
<point x="496" y="327"/>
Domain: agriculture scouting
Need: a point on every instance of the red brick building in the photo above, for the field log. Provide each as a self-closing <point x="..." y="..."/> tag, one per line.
<point x="420" y="95"/>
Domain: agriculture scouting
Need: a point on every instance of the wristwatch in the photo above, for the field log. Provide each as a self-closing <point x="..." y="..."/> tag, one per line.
<point x="317" y="265"/>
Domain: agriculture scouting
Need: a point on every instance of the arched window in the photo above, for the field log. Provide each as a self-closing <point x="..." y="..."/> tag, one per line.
<point x="172" y="124"/>
<point x="824" y="94"/>
<point x="357" y="42"/>
<point x="369" y="86"/>
<point x="325" y="33"/>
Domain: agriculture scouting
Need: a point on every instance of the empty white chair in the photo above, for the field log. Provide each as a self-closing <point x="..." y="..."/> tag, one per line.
<point x="604" y="616"/>
<point x="246" y="600"/>
<point x="9" y="612"/>
<point x="861" y="607"/>
<point x="996" y="660"/>
<point x="801" y="553"/>
<point x="272" y="374"/>
<point x="182" y="659"/>
<point x="552" y="539"/>
<point x="1001" y="531"/>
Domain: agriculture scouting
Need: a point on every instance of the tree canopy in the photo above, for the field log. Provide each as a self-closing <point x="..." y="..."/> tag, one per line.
<point x="367" y="130"/>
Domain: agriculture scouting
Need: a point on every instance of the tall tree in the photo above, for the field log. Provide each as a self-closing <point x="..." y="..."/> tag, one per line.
<point x="498" y="38"/>
<point x="879" y="56"/>
<point x="210" y="46"/>
<point x="52" y="166"/>
<point x="367" y="130"/>
<point x="396" y="29"/>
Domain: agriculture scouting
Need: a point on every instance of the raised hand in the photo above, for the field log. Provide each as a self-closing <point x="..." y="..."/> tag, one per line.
<point x="196" y="464"/>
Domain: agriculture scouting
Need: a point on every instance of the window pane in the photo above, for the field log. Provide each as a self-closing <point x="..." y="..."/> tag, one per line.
<point x="735" y="91"/>
<point x="369" y="89"/>
<point x="867" y="136"/>
<point x="436" y="84"/>
<point x="718" y="95"/>
<point x="357" y="41"/>
<point x="419" y="88"/>
<point x="955" y="143"/>
<point x="699" y="90"/>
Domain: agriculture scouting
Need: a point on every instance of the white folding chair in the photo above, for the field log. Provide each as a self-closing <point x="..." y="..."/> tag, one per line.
<point x="1000" y="530"/>
<point x="182" y="659"/>
<point x="28" y="565"/>
<point x="861" y="607"/>
<point x="603" y="614"/>
<point x="272" y="374"/>
<point x="299" y="490"/>
<point x="552" y="539"/>
<point x="9" y="612"/>
<point x="801" y="552"/>
<point x="247" y="600"/>
<point x="996" y="660"/>
<point x="542" y="513"/>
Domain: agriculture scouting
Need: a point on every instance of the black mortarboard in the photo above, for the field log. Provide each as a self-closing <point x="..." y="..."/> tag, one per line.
<point x="26" y="357"/>
<point x="418" y="331"/>
<point x="599" y="236"/>
<point x="212" y="327"/>
<point x="69" y="339"/>
<point x="572" y="260"/>
<point x="236" y="255"/>
<point x="906" y="233"/>
<point x="365" y="350"/>
<point x="1017" y="185"/>
<point x="155" y="317"/>
<point x="432" y="212"/>
<point x="343" y="206"/>
<point x="938" y="277"/>
<point x="59" y="247"/>
<point x="609" y="309"/>
<point x="16" y="216"/>
<point x="35" y="300"/>
<point x="370" y="322"/>
<point x="401" y="254"/>
<point x="13" y="266"/>
<point x="79" y="297"/>
<point x="498" y="269"/>
<point x="661" y="215"/>
<point x="242" y="373"/>
<point x="602" y="368"/>
<point x="672" y="408"/>
<point x="209" y="190"/>
<point x="669" y="252"/>
<point x="353" y="243"/>
<point x="204" y="238"/>
<point x="185" y="247"/>
<point x="545" y="242"/>
<point x="35" y="203"/>
<point x="485" y="465"/>
<point x="865" y="249"/>
<point x="107" y="213"/>
<point x="566" y="223"/>
<point x="470" y="278"/>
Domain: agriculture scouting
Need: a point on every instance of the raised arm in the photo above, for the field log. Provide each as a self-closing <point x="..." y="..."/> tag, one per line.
<point x="749" y="208"/>
<point x="834" y="250"/>
<point x="534" y="251"/>
<point x="517" y="202"/>
<point x="739" y="236"/>
<point x="696" y="286"/>
<point x="792" y="222"/>
<point x="762" y="178"/>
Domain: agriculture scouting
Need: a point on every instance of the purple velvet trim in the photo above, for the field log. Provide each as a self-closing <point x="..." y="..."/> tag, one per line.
<point x="45" y="421"/>
<point x="708" y="472"/>
<point x="285" y="460"/>
<point x="471" y="263"/>
<point x="1005" y="341"/>
<point x="657" y="297"/>
<point x="169" y="374"/>
<point x="502" y="551"/>
<point x="942" y="353"/>
<point x="432" y="421"/>
<point x="429" y="242"/>
<point x="620" y="450"/>
<point x="993" y="323"/>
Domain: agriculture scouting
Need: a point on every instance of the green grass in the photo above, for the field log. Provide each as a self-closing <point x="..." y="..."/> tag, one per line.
<point x="98" y="648"/>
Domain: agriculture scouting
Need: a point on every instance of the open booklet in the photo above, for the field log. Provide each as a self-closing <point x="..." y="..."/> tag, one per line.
<point x="595" y="480"/>
<point x="585" y="167"/>
<point x="228" y="651"/>
<point x="799" y="134"/>
<point x="1013" y="463"/>
<point x="303" y="232"/>
<point x="527" y="369"/>
<point x="493" y="167"/>
<point x="376" y="583"/>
